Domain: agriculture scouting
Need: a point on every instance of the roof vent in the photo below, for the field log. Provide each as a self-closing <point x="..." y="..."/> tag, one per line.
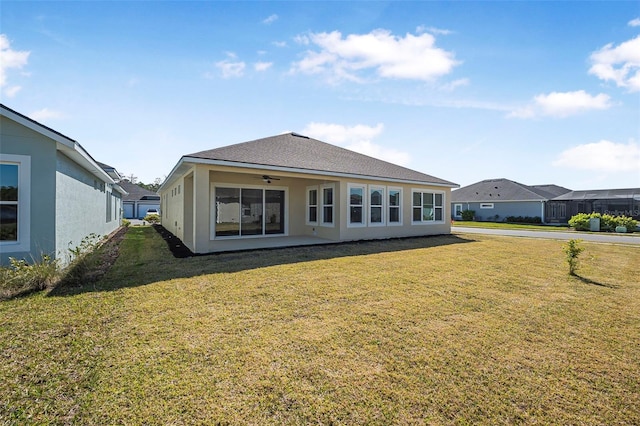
<point x="299" y="135"/>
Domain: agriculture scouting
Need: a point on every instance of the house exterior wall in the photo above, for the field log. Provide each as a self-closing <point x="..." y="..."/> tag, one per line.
<point x="188" y="206"/>
<point x="84" y="205"/>
<point x="502" y="209"/>
<point x="22" y="141"/>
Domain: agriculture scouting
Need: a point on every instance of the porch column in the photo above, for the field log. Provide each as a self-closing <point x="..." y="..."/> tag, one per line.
<point x="201" y="207"/>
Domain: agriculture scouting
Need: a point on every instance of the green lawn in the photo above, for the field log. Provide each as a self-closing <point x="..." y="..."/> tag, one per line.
<point x="441" y="330"/>
<point x="501" y="225"/>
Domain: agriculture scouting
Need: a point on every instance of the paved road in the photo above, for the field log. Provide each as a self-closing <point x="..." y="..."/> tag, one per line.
<point x="600" y="237"/>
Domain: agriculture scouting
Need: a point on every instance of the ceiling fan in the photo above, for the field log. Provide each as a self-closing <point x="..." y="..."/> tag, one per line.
<point x="268" y="179"/>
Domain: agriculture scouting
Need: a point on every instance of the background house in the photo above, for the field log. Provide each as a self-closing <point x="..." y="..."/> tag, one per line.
<point x="615" y="202"/>
<point x="138" y="200"/>
<point x="290" y="189"/>
<point x="53" y="193"/>
<point x="495" y="199"/>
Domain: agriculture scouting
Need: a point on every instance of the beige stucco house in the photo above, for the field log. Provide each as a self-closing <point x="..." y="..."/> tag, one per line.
<point x="293" y="190"/>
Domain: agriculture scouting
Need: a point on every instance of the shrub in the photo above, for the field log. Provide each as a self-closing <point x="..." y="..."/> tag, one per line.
<point x="580" y="222"/>
<point x="524" y="219"/>
<point x="126" y="223"/>
<point x="152" y="218"/>
<point x="468" y="214"/>
<point x="572" y="250"/>
<point x="79" y="259"/>
<point x="22" y="277"/>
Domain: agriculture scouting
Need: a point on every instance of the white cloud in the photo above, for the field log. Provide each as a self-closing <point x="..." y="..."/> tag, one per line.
<point x="356" y="138"/>
<point x="271" y="19"/>
<point x="262" y="66"/>
<point x="45" y="114"/>
<point x="603" y="156"/>
<point x="449" y="87"/>
<point x="562" y="104"/>
<point x="230" y="67"/>
<point x="433" y="30"/>
<point x="620" y="64"/>
<point x="10" y="59"/>
<point x="413" y="57"/>
<point x="279" y="43"/>
<point x="634" y="22"/>
<point x="12" y="91"/>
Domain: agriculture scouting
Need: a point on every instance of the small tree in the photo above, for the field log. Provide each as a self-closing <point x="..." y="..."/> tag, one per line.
<point x="572" y="249"/>
<point x="468" y="214"/>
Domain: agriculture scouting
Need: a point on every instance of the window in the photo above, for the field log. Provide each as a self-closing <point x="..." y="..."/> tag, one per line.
<point x="427" y="206"/>
<point x="394" y="207"/>
<point x="356" y="205"/>
<point x="376" y="205"/>
<point x="15" y="172"/>
<point x="458" y="210"/>
<point x="312" y="205"/>
<point x="486" y="205"/>
<point x="327" y="205"/>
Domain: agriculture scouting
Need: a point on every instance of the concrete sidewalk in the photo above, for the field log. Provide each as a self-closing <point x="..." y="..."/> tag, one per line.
<point x="596" y="237"/>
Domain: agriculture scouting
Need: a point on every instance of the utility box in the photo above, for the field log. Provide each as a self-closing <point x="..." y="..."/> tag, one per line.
<point x="594" y="224"/>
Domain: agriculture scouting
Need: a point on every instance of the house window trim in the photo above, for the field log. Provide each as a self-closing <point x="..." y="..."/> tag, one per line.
<point x="389" y="206"/>
<point x="23" y="243"/>
<point x="487" y="206"/>
<point x="309" y="205"/>
<point x="364" y="205"/>
<point x="434" y="192"/>
<point x="322" y="205"/>
<point x="455" y="210"/>
<point x="383" y="206"/>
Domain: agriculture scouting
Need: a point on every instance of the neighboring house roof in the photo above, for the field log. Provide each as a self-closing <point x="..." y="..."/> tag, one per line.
<point x="137" y="193"/>
<point x="601" y="194"/>
<point x="64" y="144"/>
<point x="493" y="190"/>
<point x="297" y="153"/>
<point x="111" y="171"/>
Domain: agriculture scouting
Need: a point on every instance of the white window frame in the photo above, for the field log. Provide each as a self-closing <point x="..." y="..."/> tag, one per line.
<point x="309" y="205"/>
<point x="363" y="223"/>
<point x="389" y="206"/>
<point x="435" y="207"/>
<point x="382" y="206"/>
<point x="322" y="205"/>
<point x="486" y="205"/>
<point x="23" y="242"/>
<point x="455" y="211"/>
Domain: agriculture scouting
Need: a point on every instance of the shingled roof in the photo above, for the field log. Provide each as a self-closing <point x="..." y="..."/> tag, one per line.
<point x="294" y="151"/>
<point x="137" y="193"/>
<point x="505" y="190"/>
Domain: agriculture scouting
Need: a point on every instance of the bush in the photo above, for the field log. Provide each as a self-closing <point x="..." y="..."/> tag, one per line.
<point x="524" y="219"/>
<point x="21" y="277"/>
<point x="468" y="214"/>
<point x="580" y="222"/>
<point x="126" y="223"/>
<point x="152" y="218"/>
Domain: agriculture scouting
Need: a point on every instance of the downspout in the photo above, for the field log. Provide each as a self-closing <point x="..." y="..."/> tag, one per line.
<point x="542" y="204"/>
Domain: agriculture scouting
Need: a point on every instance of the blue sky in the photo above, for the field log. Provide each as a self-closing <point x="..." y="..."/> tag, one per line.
<point x="536" y="92"/>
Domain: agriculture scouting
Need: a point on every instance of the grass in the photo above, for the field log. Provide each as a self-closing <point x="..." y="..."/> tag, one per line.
<point x="442" y="330"/>
<point x="503" y="225"/>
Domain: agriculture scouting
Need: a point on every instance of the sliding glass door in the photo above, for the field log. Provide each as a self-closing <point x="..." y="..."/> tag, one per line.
<point x="249" y="212"/>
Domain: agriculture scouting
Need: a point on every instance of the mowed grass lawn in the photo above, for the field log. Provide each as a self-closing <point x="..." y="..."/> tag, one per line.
<point x="441" y="330"/>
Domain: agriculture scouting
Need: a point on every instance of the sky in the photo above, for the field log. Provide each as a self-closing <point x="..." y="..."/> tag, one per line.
<point x="536" y="92"/>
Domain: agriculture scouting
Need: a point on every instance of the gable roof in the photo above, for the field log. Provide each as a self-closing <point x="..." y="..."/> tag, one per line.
<point x="294" y="152"/>
<point x="137" y="193"/>
<point x="493" y="190"/>
<point x="64" y="144"/>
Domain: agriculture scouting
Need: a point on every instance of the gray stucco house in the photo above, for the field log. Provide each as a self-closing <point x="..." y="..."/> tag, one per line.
<point x="53" y="193"/>
<point x="290" y="189"/>
<point x="138" y="200"/>
<point x="496" y="199"/>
